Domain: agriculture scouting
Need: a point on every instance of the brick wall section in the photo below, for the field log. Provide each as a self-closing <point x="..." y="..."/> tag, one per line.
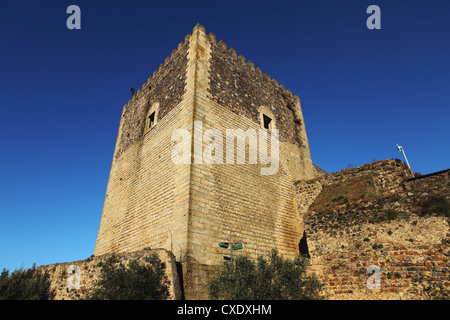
<point x="405" y="250"/>
<point x="89" y="274"/>
<point x="383" y="228"/>
<point x="147" y="197"/>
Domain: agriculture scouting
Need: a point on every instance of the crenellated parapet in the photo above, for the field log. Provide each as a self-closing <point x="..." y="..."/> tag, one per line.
<point x="166" y="87"/>
<point x="247" y="88"/>
<point x="292" y="101"/>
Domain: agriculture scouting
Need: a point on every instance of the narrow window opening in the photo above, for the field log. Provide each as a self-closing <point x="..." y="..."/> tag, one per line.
<point x="151" y="120"/>
<point x="267" y="122"/>
<point x="303" y="246"/>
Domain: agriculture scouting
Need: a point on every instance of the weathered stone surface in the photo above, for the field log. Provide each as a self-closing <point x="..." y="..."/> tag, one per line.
<point x="364" y="216"/>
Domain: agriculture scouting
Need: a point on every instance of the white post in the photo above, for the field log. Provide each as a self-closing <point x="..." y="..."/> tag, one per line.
<point x="400" y="148"/>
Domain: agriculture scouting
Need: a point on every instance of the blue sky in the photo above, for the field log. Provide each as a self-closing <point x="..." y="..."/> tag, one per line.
<point x="62" y="93"/>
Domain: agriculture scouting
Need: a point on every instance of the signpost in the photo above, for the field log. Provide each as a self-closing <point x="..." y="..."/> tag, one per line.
<point x="232" y="246"/>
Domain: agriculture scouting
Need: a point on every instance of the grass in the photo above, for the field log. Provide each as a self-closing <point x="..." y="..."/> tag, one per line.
<point x="345" y="193"/>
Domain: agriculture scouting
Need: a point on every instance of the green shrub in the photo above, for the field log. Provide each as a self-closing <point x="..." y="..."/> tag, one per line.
<point x="427" y="287"/>
<point x="271" y="279"/>
<point x="391" y="214"/>
<point x="140" y="279"/>
<point x="438" y="205"/>
<point x="29" y="284"/>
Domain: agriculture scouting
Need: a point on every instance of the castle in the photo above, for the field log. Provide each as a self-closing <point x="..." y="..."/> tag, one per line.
<point x="176" y="188"/>
<point x="189" y="206"/>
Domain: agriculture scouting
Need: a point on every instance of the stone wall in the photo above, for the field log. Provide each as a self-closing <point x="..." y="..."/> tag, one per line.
<point x="373" y="215"/>
<point x="405" y="250"/>
<point x="89" y="274"/>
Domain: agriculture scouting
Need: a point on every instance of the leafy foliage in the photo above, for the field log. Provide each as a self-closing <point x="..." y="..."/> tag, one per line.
<point x="141" y="279"/>
<point x="29" y="284"/>
<point x="438" y="205"/>
<point x="271" y="279"/>
<point x="427" y="288"/>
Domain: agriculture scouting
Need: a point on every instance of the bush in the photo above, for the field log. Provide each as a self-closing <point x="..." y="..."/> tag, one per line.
<point x="377" y="246"/>
<point x="272" y="279"/>
<point x="428" y="288"/>
<point x="141" y="279"/>
<point x="438" y="205"/>
<point x="391" y="214"/>
<point x="29" y="284"/>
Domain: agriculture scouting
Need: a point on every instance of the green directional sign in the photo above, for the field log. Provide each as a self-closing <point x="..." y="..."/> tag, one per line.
<point x="224" y="245"/>
<point x="236" y="246"/>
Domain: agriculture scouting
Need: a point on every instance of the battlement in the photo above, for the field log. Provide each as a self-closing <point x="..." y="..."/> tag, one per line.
<point x="146" y="86"/>
<point x="255" y="89"/>
<point x="291" y="101"/>
<point x="166" y="86"/>
<point x="251" y="66"/>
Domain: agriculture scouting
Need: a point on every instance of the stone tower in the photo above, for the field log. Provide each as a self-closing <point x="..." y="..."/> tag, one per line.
<point x="188" y="207"/>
